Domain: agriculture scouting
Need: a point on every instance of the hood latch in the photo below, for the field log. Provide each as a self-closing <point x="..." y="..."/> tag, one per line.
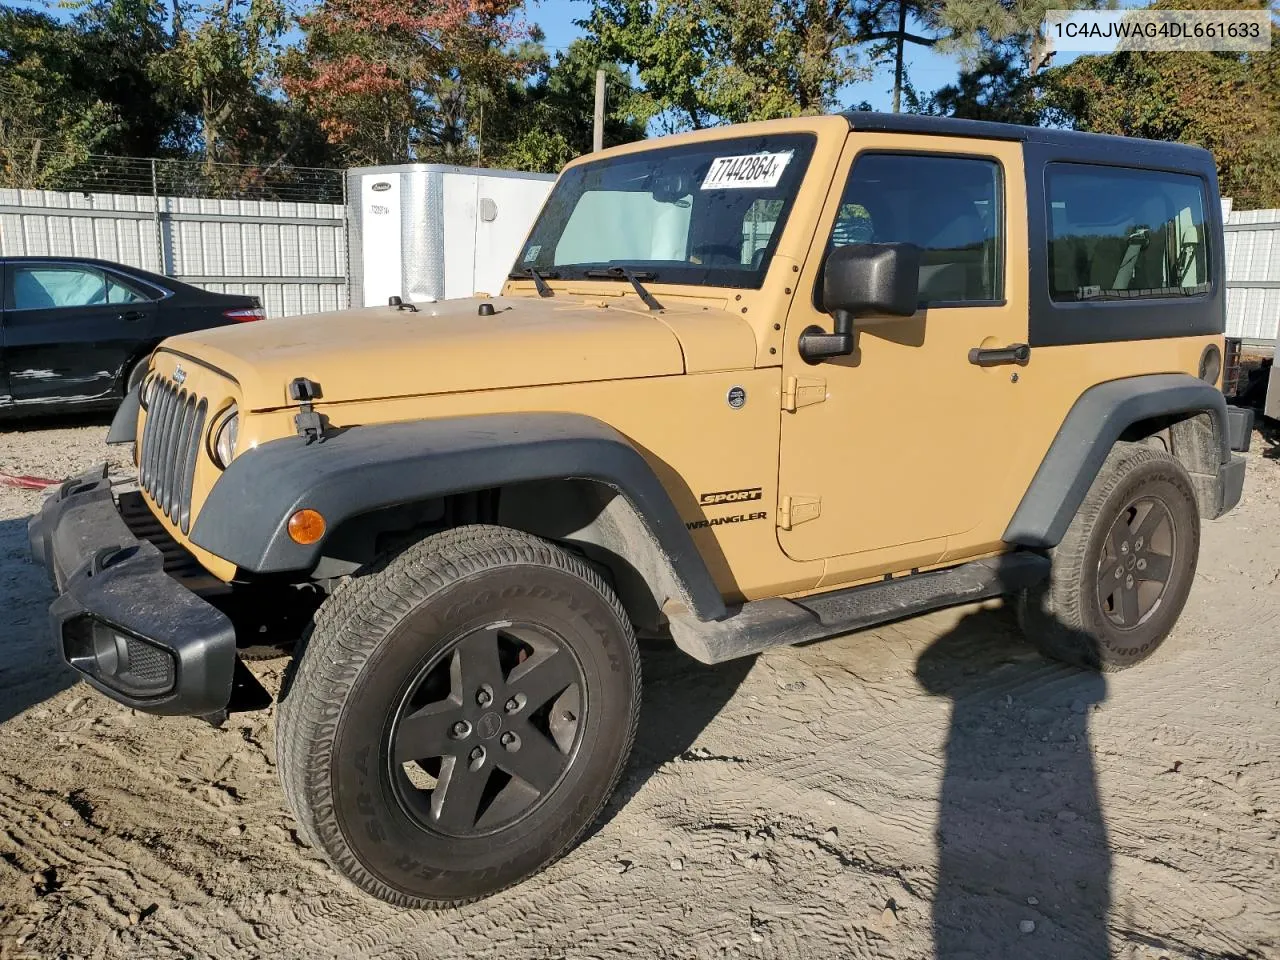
<point x="311" y="425"/>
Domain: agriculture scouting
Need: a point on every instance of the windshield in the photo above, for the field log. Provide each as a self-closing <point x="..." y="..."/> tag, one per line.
<point x="708" y="213"/>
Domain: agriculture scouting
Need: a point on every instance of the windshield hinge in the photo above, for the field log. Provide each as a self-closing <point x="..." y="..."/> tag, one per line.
<point x="802" y="391"/>
<point x="310" y="425"/>
<point x="796" y="510"/>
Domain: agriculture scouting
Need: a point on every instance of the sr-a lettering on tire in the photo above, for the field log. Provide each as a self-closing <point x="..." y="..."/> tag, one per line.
<point x="371" y="641"/>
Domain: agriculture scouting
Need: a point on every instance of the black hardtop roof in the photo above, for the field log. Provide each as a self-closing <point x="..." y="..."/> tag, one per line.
<point x="1175" y="154"/>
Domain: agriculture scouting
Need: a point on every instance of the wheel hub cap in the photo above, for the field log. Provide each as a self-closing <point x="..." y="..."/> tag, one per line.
<point x="487" y="730"/>
<point x="1136" y="563"/>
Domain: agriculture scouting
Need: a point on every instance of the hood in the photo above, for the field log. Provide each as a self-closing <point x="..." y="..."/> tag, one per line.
<point x="380" y="352"/>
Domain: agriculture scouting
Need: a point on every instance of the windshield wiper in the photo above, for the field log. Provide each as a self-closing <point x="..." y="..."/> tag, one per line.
<point x="539" y="282"/>
<point x="634" y="276"/>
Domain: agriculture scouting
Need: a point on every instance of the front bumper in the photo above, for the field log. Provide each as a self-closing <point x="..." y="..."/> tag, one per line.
<point x="125" y="625"/>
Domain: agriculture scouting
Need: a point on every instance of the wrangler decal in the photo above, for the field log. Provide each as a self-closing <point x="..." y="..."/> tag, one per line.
<point x="717" y="521"/>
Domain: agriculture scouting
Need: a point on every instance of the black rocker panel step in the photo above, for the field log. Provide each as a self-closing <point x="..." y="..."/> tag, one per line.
<point x="760" y="624"/>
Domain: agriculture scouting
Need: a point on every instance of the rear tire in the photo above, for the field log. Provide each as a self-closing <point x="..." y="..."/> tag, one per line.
<point x="1123" y="570"/>
<point x="459" y="716"/>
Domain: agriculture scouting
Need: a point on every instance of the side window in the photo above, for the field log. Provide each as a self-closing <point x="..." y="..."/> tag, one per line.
<point x="950" y="207"/>
<point x="1118" y="233"/>
<point x="41" y="287"/>
<point x="118" y="291"/>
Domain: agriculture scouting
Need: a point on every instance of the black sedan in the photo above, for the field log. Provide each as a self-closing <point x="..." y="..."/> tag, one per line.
<point x="76" y="333"/>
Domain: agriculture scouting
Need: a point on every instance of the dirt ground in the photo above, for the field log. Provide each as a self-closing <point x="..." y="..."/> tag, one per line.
<point x="932" y="788"/>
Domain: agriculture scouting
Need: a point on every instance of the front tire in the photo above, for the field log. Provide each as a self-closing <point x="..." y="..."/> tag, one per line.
<point x="1123" y="570"/>
<point x="459" y="716"/>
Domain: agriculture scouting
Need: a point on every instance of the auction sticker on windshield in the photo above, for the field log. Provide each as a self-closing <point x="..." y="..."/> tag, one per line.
<point x="751" y="170"/>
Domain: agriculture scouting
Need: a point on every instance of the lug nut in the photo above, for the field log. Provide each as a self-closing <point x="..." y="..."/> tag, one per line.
<point x="1124" y="547"/>
<point x="484" y="696"/>
<point x="1119" y="572"/>
<point x="515" y="703"/>
<point x="1142" y="564"/>
<point x="476" y="758"/>
<point x="1128" y="582"/>
<point x="1137" y="544"/>
<point x="461" y="729"/>
<point x="510" y="741"/>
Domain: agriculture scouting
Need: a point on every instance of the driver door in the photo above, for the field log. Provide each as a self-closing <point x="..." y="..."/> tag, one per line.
<point x="891" y="457"/>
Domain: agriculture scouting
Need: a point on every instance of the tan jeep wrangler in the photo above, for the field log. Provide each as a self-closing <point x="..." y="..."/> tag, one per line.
<point x="751" y="386"/>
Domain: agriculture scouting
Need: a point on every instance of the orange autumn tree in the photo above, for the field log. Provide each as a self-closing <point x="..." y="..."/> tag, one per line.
<point x="398" y="80"/>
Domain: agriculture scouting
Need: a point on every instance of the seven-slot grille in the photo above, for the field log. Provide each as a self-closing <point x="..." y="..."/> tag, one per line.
<point x="170" y="443"/>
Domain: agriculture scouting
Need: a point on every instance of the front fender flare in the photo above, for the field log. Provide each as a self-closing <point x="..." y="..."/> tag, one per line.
<point x="361" y="469"/>
<point x="1091" y="428"/>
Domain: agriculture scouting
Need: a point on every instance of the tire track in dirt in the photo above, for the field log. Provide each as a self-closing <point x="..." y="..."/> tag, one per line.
<point x="800" y="795"/>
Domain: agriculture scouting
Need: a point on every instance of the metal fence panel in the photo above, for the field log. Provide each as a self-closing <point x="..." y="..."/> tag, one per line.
<point x="291" y="254"/>
<point x="1253" y="275"/>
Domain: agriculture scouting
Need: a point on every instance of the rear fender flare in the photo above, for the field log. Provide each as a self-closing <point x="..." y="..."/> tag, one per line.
<point x="1096" y="421"/>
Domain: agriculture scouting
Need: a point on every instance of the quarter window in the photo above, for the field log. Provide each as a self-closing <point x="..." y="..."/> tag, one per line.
<point x="950" y="207"/>
<point x="1117" y="233"/>
<point x="120" y="292"/>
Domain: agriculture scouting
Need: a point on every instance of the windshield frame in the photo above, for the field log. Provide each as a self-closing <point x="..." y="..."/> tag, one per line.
<point x="549" y="228"/>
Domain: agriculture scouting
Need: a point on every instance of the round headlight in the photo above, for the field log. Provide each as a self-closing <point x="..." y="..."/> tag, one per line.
<point x="224" y="441"/>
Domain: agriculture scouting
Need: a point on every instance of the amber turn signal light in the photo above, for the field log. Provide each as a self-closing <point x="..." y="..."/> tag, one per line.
<point x="306" y="527"/>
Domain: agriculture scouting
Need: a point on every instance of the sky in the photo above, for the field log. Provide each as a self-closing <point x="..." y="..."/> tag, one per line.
<point x="926" y="69"/>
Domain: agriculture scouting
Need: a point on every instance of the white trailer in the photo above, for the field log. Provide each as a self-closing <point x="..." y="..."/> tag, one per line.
<point x="427" y="231"/>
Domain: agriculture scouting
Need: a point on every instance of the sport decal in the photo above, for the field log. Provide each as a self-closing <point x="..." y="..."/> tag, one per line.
<point x="729" y="496"/>
<point x="760" y="170"/>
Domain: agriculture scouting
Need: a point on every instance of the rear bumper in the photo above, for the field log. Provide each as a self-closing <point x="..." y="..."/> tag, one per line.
<point x="126" y="626"/>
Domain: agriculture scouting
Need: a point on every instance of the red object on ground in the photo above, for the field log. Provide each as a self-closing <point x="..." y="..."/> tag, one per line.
<point x="26" y="482"/>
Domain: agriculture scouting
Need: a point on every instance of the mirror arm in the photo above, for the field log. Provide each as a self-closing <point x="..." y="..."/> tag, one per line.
<point x="817" y="345"/>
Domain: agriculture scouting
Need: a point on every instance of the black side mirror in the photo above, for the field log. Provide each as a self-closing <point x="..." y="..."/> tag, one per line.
<point x="859" y="279"/>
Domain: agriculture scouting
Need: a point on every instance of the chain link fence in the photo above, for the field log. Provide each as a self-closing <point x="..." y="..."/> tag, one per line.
<point x="158" y="176"/>
<point x="276" y="232"/>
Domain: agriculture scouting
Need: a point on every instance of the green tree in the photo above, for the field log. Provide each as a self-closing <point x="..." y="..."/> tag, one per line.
<point x="221" y="59"/>
<point x="543" y="124"/>
<point x="84" y="85"/>
<point x="397" y="80"/>
<point x="703" y="62"/>
<point x="1004" y="54"/>
<point x="49" y="121"/>
<point x="1227" y="103"/>
<point x="889" y="25"/>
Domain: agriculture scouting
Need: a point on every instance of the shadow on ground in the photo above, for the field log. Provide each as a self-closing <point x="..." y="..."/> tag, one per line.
<point x="1023" y="861"/>
<point x="680" y="698"/>
<point x="30" y="671"/>
<point x="36" y="422"/>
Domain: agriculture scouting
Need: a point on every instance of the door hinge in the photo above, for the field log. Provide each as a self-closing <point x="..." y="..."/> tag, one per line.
<point x="794" y="510"/>
<point x="802" y="391"/>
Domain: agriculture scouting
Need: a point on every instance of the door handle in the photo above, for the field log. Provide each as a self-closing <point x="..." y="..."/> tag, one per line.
<point x="132" y="315"/>
<point x="1019" y="353"/>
